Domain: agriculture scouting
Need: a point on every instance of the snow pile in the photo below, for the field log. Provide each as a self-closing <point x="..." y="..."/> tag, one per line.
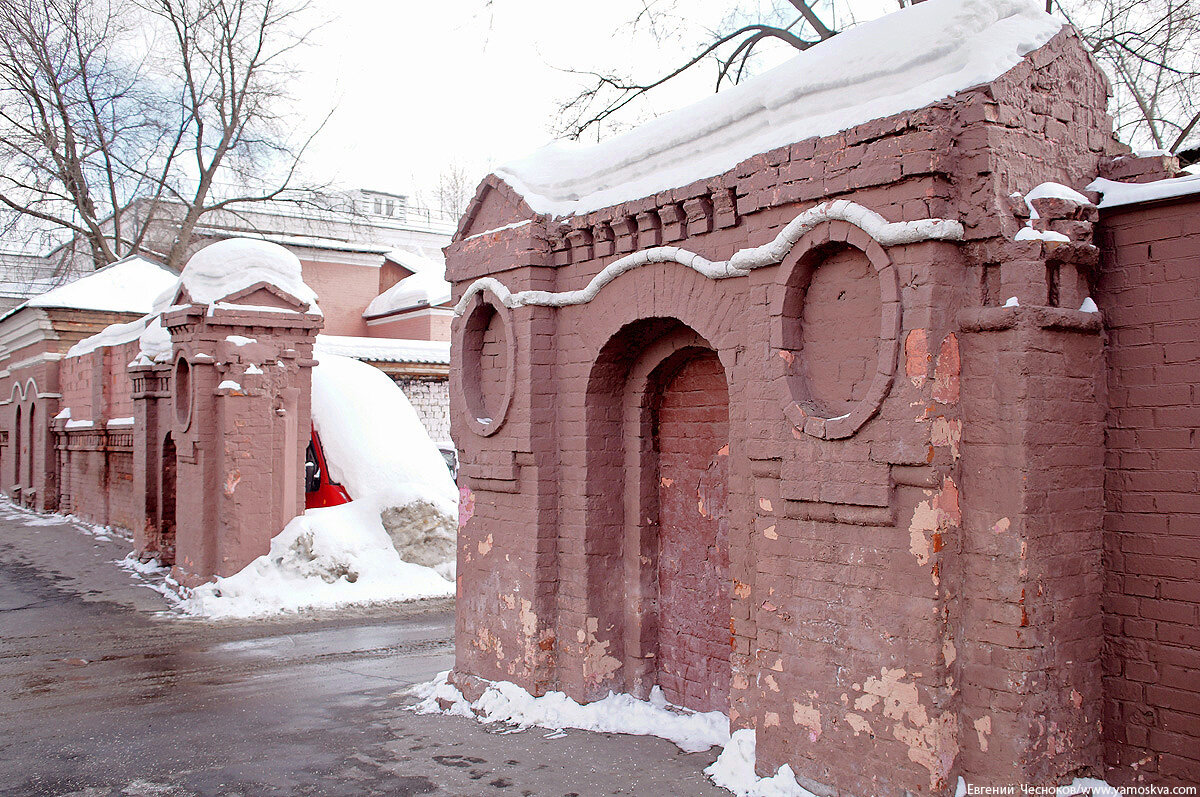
<point x="394" y="541"/>
<point x="901" y="62"/>
<point x="691" y="731"/>
<point x="156" y="346"/>
<point x="1056" y="191"/>
<point x="734" y="770"/>
<point x="226" y="267"/>
<point x="377" y="448"/>
<point x="323" y="559"/>
<point x="127" y="286"/>
<point x="1117" y="193"/>
<point x="504" y="701"/>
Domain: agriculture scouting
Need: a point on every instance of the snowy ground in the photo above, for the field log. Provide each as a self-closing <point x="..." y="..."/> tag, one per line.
<point x="690" y="731"/>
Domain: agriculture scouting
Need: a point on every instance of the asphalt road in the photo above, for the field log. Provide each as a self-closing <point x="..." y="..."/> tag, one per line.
<point x="104" y="693"/>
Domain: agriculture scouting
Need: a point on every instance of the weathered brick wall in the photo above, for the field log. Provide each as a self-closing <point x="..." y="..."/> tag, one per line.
<point x="912" y="596"/>
<point x="1150" y="295"/>
<point x="430" y="397"/>
<point x="343" y="292"/>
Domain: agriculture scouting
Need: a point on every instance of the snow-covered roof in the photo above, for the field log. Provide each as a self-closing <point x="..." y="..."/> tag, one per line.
<point x="423" y="289"/>
<point x="222" y="269"/>
<point x="1117" y="194"/>
<point x="385" y="349"/>
<point x="127" y="286"/>
<point x="416" y="263"/>
<point x="904" y="61"/>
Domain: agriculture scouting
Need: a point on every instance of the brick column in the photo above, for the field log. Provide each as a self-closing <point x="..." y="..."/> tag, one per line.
<point x="241" y="418"/>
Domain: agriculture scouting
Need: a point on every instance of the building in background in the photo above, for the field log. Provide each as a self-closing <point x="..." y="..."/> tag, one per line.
<point x="373" y="258"/>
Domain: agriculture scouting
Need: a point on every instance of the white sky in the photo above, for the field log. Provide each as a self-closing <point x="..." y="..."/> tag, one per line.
<point x="418" y="86"/>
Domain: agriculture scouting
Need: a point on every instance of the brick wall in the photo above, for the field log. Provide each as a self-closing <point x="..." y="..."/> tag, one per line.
<point x="430" y="397"/>
<point x="1150" y="294"/>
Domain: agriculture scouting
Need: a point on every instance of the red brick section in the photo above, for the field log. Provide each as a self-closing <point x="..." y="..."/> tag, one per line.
<point x="692" y="435"/>
<point x="1150" y="294"/>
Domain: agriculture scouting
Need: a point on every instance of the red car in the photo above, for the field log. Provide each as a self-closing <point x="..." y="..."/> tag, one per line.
<point x="319" y="490"/>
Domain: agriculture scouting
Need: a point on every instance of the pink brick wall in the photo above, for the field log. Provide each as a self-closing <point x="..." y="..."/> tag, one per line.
<point x="343" y="292"/>
<point x="1150" y="295"/>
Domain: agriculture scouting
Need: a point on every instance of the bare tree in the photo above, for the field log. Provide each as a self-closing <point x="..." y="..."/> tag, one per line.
<point x="115" y="149"/>
<point x="455" y="189"/>
<point x="1151" y="49"/>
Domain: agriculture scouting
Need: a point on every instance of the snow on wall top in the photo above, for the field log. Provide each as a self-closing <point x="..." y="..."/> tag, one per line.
<point x="904" y="61"/>
<point x="400" y="350"/>
<point x="226" y="267"/>
<point x="127" y="286"/>
<point x="1117" y="194"/>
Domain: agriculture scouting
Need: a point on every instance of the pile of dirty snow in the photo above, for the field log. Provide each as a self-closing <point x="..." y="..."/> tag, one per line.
<point x="691" y="731"/>
<point x="394" y="541"/>
<point x="323" y="559"/>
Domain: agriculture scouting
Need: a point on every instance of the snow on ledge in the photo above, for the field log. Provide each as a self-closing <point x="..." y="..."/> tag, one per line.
<point x="880" y="229"/>
<point x="903" y="61"/>
<point x="1118" y="194"/>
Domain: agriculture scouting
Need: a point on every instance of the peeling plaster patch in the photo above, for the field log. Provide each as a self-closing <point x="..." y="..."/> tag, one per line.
<point x="666" y="482"/>
<point x="486" y="641"/>
<point x="772" y="684"/>
<point x="1002" y="525"/>
<point x="597" y="663"/>
<point x="945" y="375"/>
<point x="931" y="519"/>
<point x="932" y="742"/>
<point x="740" y="589"/>
<point x="231" y="481"/>
<point x="787" y="356"/>
<point x="934" y="747"/>
<point x="946" y="432"/>
<point x="770" y="533"/>
<point x="509" y="601"/>
<point x="858" y="723"/>
<point x="466" y="505"/>
<point x="485" y="545"/>
<point x="916" y="357"/>
<point x="765" y="504"/>
<point x="1076" y="699"/>
<point x="807" y="717"/>
<point x="770" y="720"/>
<point x="740" y="681"/>
<point x="866" y="702"/>
<point x="723" y="451"/>
<point x="528" y="619"/>
<point x="949" y="652"/>
<point x="983" y="727"/>
<point x="778" y="665"/>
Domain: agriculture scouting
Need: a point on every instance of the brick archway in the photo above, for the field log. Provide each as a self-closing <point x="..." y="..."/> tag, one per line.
<point x="657" y="459"/>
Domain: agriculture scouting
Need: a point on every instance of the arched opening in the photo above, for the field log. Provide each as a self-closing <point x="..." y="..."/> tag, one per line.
<point x="18" y="440"/>
<point x="166" y="520"/>
<point x="656" y="543"/>
<point x="31" y="442"/>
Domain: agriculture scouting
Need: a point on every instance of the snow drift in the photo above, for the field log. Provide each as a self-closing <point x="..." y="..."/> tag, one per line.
<point x="394" y="541"/>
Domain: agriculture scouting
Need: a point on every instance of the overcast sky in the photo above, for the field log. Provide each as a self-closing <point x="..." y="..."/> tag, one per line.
<point x="416" y="86"/>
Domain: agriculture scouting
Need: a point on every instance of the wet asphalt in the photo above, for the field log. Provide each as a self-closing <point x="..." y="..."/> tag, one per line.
<point x="103" y="691"/>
